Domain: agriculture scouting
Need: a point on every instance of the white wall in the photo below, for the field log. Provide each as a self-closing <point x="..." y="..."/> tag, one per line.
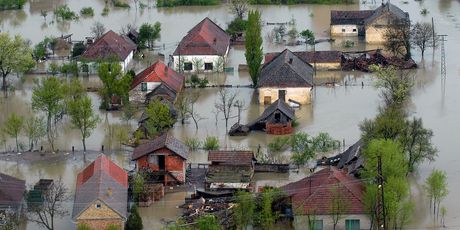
<point x="300" y="94"/>
<point x="301" y="222"/>
<point x="337" y="30"/>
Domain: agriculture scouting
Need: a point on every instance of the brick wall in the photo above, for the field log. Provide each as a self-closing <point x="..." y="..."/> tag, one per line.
<point x="100" y="218"/>
<point x="173" y="163"/>
<point x="278" y="129"/>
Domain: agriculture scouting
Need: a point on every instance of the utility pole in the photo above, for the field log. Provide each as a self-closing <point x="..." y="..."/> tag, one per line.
<point x="380" y="209"/>
<point x="443" y="56"/>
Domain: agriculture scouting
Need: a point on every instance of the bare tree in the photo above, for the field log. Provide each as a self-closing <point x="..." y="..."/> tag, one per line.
<point x="182" y="106"/>
<point x="422" y="36"/>
<point x="127" y="28"/>
<point x="193" y="113"/>
<point x="225" y="103"/>
<point x="97" y="30"/>
<point x="239" y="105"/>
<point x="397" y="37"/>
<point x="43" y="213"/>
<point x="239" y="8"/>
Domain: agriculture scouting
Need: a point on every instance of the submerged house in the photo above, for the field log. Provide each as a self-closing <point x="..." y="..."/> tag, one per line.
<point x="204" y="48"/>
<point x="230" y="170"/>
<point x="165" y="157"/>
<point x="322" y="60"/>
<point x="101" y="195"/>
<point x="286" y="73"/>
<point x="159" y="81"/>
<point x="109" y="46"/>
<point x="313" y="196"/>
<point x="370" y="24"/>
<point x="12" y="199"/>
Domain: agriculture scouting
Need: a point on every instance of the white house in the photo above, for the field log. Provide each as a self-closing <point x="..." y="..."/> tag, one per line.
<point x="204" y="48"/>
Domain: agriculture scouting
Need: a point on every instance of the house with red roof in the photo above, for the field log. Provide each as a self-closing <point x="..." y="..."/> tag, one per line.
<point x="164" y="158"/>
<point x="204" y="48"/>
<point x="157" y="80"/>
<point x="110" y="46"/>
<point x="101" y="195"/>
<point x="315" y="197"/>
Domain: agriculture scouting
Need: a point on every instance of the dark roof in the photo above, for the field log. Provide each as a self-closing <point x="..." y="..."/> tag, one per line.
<point x="313" y="194"/>
<point x="11" y="190"/>
<point x="160" y="90"/>
<point x="353" y="17"/>
<point x="105" y="181"/>
<point x="278" y="105"/>
<point x="351" y="154"/>
<point x="231" y="157"/>
<point x="392" y="9"/>
<point x="159" y="72"/>
<point x="163" y="141"/>
<point x="286" y="70"/>
<point x="206" y="38"/>
<point x="310" y="56"/>
<point x="110" y="44"/>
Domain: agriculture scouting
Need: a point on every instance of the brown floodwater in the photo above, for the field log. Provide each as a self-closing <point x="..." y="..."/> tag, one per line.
<point x="337" y="111"/>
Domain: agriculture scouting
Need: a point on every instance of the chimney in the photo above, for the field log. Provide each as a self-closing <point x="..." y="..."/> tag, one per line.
<point x="290" y="60"/>
<point x="282" y="95"/>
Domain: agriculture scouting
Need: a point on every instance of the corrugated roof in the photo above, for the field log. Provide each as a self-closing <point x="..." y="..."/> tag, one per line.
<point x="286" y="70"/>
<point x="11" y="190"/>
<point x="313" y="194"/>
<point x="105" y="181"/>
<point x="163" y="141"/>
<point x="159" y="72"/>
<point x="110" y="44"/>
<point x="206" y="38"/>
<point x="231" y="157"/>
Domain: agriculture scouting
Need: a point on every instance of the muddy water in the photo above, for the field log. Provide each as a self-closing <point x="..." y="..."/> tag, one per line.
<point x="335" y="110"/>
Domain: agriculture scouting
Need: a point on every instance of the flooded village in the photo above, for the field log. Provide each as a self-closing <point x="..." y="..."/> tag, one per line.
<point x="240" y="114"/>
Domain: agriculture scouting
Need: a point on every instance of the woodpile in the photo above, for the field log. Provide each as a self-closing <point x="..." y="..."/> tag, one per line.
<point x="151" y="193"/>
<point x="361" y="61"/>
<point x="219" y="207"/>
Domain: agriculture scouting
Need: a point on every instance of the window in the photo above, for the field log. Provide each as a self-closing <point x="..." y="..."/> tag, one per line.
<point x="153" y="159"/>
<point x="352" y="225"/>
<point x="188" y="66"/>
<point x="267" y="100"/>
<point x="354" y="30"/>
<point x="343" y="30"/>
<point x="144" y="86"/>
<point x="208" y="66"/>
<point x="98" y="206"/>
<point x="317" y="224"/>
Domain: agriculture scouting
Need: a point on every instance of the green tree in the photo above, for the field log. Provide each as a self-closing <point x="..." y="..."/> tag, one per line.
<point x="436" y="189"/>
<point x="389" y="124"/>
<point x="208" y="222"/>
<point x="134" y="221"/>
<point x="39" y="51"/>
<point x="78" y="49"/>
<point x="115" y="84"/>
<point x="395" y="85"/>
<point x="113" y="227"/>
<point x="253" y="44"/>
<point x="15" y="56"/>
<point x="309" y="36"/>
<point x="238" y="25"/>
<point x="159" y="117"/>
<point x="244" y="210"/>
<point x="35" y="129"/>
<point x="48" y="97"/>
<point x="304" y="147"/>
<point x="266" y="217"/>
<point x="83" y="117"/>
<point x="148" y="33"/>
<point x="138" y="185"/>
<point x="13" y="127"/>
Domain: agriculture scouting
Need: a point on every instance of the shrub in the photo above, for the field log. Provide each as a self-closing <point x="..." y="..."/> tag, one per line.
<point x="12" y="4"/>
<point x="119" y="3"/>
<point x="196" y="81"/>
<point x="193" y="143"/>
<point x="134" y="221"/>
<point x="87" y="11"/>
<point x="83" y="227"/>
<point x="64" y="13"/>
<point x="113" y="227"/>
<point x="279" y="144"/>
<point x="211" y="143"/>
<point x="105" y="11"/>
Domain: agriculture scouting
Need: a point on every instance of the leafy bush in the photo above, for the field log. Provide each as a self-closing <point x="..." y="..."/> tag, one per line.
<point x="87" y="11"/>
<point x="278" y="144"/>
<point x="64" y="13"/>
<point x="69" y="68"/>
<point x="105" y="11"/>
<point x="193" y="143"/>
<point x="12" y="4"/>
<point x="196" y="81"/>
<point x="236" y="26"/>
<point x="119" y="3"/>
<point x="211" y="143"/>
<point x="134" y="221"/>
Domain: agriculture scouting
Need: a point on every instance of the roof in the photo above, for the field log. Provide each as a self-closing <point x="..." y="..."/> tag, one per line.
<point x="351" y="154"/>
<point x="206" y="38"/>
<point x="163" y="141"/>
<point x="159" y="72"/>
<point x="105" y="181"/>
<point x="161" y="90"/>
<point x="314" y="193"/>
<point x="11" y="190"/>
<point x="286" y="70"/>
<point x="350" y="17"/>
<point x="278" y="105"/>
<point x="110" y="44"/>
<point x="310" y="56"/>
<point x="388" y="7"/>
<point x="231" y="157"/>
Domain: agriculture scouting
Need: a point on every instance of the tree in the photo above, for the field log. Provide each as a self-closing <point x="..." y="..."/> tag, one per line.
<point x="13" y="127"/>
<point x="304" y="147"/>
<point x="244" y="210"/>
<point x="138" y="185"/>
<point x="225" y="103"/>
<point x="148" y="33"/>
<point x="134" y="221"/>
<point x="48" y="97"/>
<point x="397" y="38"/>
<point x="53" y="205"/>
<point x="266" y="217"/>
<point x="159" y="118"/>
<point x="308" y="36"/>
<point x="128" y="113"/>
<point x="98" y="29"/>
<point x="39" y="51"/>
<point x="78" y="49"/>
<point x="83" y="117"/>
<point x="253" y="44"/>
<point x="422" y="36"/>
<point x="436" y="189"/>
<point x="395" y="85"/>
<point x="339" y="205"/>
<point x="182" y="106"/>
<point x="208" y="222"/>
<point x="237" y="26"/>
<point x="239" y="8"/>
<point x="15" y="56"/>
<point x="115" y="84"/>
<point x="35" y="129"/>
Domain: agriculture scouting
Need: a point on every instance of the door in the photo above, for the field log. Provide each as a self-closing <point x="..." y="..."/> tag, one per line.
<point x="161" y="162"/>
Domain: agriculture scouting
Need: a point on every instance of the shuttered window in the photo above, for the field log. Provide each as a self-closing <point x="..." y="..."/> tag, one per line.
<point x="352" y="225"/>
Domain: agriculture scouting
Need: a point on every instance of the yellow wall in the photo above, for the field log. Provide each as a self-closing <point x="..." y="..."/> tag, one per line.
<point x="337" y="30"/>
<point x="301" y="95"/>
<point x="104" y="212"/>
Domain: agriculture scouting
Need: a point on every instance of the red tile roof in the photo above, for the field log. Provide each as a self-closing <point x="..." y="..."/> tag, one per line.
<point x="231" y="157"/>
<point x="159" y="72"/>
<point x="110" y="44"/>
<point x="104" y="165"/>
<point x="314" y="194"/>
<point x="206" y="38"/>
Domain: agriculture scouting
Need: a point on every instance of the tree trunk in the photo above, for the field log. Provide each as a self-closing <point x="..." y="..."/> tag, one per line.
<point x="84" y="144"/>
<point x="4" y="86"/>
<point x="17" y="145"/>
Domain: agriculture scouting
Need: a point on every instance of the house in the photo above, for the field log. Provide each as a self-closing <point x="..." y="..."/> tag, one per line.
<point x="276" y="118"/>
<point x="156" y="80"/>
<point x="101" y="195"/>
<point x="110" y="46"/>
<point x="286" y="73"/>
<point x="371" y="24"/>
<point x="164" y="157"/>
<point x="204" y="48"/>
<point x="322" y="60"/>
<point x="11" y="195"/>
<point x="313" y="196"/>
<point x="230" y="170"/>
<point x="351" y="160"/>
